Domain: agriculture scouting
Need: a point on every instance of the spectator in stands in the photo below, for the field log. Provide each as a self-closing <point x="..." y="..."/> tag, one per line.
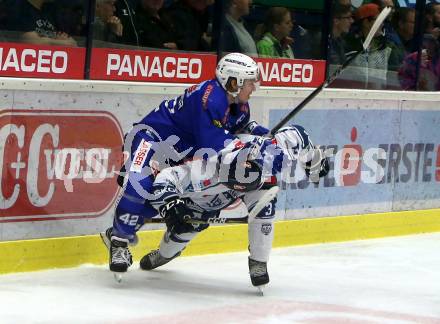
<point x="191" y="19"/>
<point x="429" y="71"/>
<point x="236" y="38"/>
<point x="36" y="22"/>
<point x="404" y="21"/>
<point x="153" y="27"/>
<point x="307" y="43"/>
<point x="126" y="12"/>
<point x="372" y="66"/>
<point x="276" y="41"/>
<point x="432" y="19"/>
<point x="4" y="14"/>
<point x="344" y="2"/>
<point x="342" y="19"/>
<point x="71" y="17"/>
<point x="107" y="26"/>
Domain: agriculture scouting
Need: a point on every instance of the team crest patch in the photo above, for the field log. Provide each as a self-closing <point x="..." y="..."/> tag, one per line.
<point x="266" y="229"/>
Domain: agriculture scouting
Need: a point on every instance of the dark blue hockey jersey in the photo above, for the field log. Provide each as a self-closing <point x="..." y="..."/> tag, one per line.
<point x="201" y="118"/>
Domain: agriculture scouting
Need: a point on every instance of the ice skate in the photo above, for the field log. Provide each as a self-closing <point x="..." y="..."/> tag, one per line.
<point x="120" y="257"/>
<point x="154" y="259"/>
<point x="258" y="274"/>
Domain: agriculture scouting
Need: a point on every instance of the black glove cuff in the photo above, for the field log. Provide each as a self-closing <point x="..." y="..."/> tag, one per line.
<point x="171" y="204"/>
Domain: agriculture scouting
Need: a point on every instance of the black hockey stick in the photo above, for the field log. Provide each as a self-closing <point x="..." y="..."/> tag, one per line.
<point x="262" y="202"/>
<point x="212" y="220"/>
<point x="379" y="20"/>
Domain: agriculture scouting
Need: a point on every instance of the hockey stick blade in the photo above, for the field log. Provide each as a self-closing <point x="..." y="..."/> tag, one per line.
<point x="105" y="240"/>
<point x="377" y="24"/>
<point x="366" y="44"/>
<point x="211" y="220"/>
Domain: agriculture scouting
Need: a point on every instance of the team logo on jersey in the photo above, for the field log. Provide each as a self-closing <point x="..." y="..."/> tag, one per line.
<point x="200" y="185"/>
<point x="165" y="189"/>
<point x="217" y="123"/>
<point x="205" y="96"/>
<point x="266" y="228"/>
<point x="140" y="156"/>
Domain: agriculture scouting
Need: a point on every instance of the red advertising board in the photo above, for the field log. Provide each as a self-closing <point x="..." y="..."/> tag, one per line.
<point x="39" y="61"/>
<point x="151" y="66"/>
<point x="172" y="67"/>
<point x="291" y="73"/>
<point x="55" y="62"/>
<point x="57" y="164"/>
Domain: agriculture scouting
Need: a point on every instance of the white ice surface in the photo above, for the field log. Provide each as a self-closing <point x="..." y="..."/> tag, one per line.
<point x="391" y="280"/>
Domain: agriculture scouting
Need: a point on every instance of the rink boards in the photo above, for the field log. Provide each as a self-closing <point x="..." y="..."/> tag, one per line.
<point x="58" y="168"/>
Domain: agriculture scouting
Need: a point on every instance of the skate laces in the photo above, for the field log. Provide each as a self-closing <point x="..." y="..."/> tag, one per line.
<point x="120" y="254"/>
<point x="257" y="268"/>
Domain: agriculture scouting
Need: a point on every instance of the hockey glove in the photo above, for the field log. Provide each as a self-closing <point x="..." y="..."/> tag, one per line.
<point x="176" y="214"/>
<point x="296" y="144"/>
<point x="315" y="163"/>
<point x="254" y="128"/>
<point x="292" y="140"/>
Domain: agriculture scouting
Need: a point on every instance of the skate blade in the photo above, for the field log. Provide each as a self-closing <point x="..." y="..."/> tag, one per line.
<point x="118" y="277"/>
<point x="260" y="290"/>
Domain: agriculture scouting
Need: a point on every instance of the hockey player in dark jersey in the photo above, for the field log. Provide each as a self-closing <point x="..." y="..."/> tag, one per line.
<point x="200" y="122"/>
<point x="184" y="190"/>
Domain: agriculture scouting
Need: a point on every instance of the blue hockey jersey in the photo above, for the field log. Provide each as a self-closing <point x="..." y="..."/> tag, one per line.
<point x="201" y="118"/>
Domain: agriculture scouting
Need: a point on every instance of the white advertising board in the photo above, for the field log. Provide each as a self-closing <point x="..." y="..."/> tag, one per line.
<point x="60" y="145"/>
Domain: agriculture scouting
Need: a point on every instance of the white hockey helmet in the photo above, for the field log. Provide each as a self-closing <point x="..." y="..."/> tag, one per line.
<point x="242" y="171"/>
<point x="238" y="66"/>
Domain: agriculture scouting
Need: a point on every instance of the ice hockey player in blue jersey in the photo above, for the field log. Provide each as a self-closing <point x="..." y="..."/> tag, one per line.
<point x="180" y="191"/>
<point x="200" y="122"/>
<point x="184" y="192"/>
